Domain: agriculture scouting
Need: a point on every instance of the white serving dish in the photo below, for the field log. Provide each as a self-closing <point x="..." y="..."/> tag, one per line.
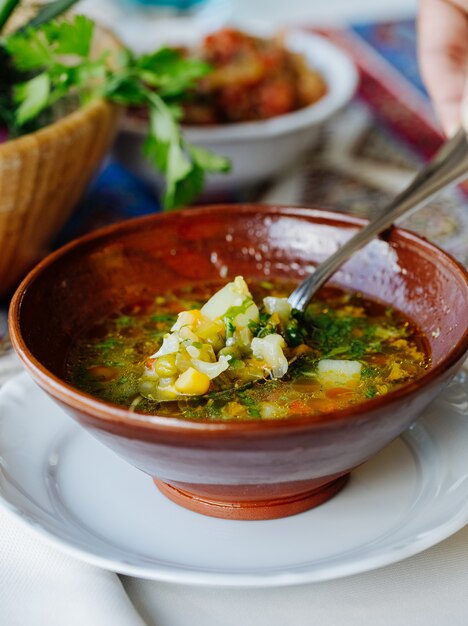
<point x="259" y="150"/>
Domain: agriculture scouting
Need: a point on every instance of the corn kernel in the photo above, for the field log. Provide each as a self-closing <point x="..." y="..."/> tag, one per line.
<point x="192" y="382"/>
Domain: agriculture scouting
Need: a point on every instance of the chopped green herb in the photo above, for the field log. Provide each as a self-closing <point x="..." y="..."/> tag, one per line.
<point x="108" y="344"/>
<point x="124" y="321"/>
<point x="296" y="331"/>
<point x="371" y="392"/>
<point x="250" y="403"/>
<point x="368" y="372"/>
<point x="162" y="317"/>
<point x="263" y="327"/>
<point x="234" y="311"/>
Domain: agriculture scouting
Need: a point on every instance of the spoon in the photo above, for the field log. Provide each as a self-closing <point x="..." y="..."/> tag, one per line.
<point x="448" y="166"/>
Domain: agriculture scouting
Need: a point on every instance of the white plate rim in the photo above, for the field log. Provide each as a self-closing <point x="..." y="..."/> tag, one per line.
<point x="202" y="577"/>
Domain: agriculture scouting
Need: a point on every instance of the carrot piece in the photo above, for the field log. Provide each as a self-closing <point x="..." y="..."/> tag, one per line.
<point x="103" y="373"/>
<point x="337" y="392"/>
<point x="299" y="407"/>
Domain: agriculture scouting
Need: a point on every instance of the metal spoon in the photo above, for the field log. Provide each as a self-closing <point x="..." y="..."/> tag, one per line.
<point x="448" y="166"/>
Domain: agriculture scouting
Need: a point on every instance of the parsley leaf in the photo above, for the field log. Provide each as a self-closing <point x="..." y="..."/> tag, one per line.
<point x="59" y="52"/>
<point x="70" y="37"/>
<point x="33" y="96"/>
<point x="207" y="161"/>
<point x="29" y="50"/>
<point x="250" y="403"/>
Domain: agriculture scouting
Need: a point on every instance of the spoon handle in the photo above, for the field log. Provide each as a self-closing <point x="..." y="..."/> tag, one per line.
<point x="448" y="166"/>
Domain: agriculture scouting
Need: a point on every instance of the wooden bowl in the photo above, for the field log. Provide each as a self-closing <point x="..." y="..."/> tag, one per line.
<point x="42" y="176"/>
<point x="249" y="469"/>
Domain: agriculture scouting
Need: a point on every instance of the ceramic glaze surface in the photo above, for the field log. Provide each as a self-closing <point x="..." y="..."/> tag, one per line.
<point x="409" y="497"/>
<point x="245" y="463"/>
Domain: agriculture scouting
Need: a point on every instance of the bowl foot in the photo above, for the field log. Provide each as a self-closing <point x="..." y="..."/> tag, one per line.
<point x="253" y="510"/>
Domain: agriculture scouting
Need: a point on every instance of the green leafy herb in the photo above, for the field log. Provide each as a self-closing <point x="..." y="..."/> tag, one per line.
<point x="250" y="403"/>
<point x="52" y="61"/>
<point x="108" y="344"/>
<point x="162" y="317"/>
<point x="263" y="327"/>
<point x="368" y="372"/>
<point x="296" y="331"/>
<point x="70" y="37"/>
<point x="124" y="321"/>
<point x="33" y="96"/>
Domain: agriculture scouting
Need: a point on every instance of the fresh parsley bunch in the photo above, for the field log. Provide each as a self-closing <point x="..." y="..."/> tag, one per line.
<point x="49" y="60"/>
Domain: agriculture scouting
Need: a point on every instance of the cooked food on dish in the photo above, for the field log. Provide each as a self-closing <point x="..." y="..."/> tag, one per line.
<point x="239" y="351"/>
<point x="252" y="79"/>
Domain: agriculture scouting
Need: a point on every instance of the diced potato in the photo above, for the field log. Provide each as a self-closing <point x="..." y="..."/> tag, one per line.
<point x="270" y="350"/>
<point x="280" y="306"/>
<point x="270" y="410"/>
<point x="193" y="352"/>
<point x="186" y="334"/>
<point x="187" y="318"/>
<point x="251" y="314"/>
<point x="192" y="382"/>
<point x="335" y="373"/>
<point x="165" y="393"/>
<point x="210" y="329"/>
<point x="232" y="294"/>
<point x="183" y="360"/>
<point x="170" y="345"/>
<point x="197" y="349"/>
<point x="156" y="391"/>
<point x="243" y="337"/>
<point x="212" y="369"/>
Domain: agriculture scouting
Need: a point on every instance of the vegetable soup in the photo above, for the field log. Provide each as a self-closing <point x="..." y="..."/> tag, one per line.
<point x="208" y="351"/>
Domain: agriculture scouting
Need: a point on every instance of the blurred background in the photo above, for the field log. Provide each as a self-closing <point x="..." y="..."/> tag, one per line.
<point x="139" y="22"/>
<point x="362" y="156"/>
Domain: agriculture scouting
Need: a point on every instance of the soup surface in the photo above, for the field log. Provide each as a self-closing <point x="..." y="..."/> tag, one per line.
<point x="344" y="350"/>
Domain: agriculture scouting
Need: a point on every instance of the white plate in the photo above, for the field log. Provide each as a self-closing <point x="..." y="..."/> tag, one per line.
<point x="85" y="500"/>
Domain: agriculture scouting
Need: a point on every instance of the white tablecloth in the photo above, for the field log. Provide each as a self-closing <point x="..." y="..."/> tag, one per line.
<point x="40" y="586"/>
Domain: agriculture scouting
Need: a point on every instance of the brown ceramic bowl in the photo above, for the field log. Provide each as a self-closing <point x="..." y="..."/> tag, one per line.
<point x="248" y="469"/>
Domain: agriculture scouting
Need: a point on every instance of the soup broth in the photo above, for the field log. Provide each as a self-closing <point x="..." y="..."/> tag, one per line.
<point x="385" y="350"/>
